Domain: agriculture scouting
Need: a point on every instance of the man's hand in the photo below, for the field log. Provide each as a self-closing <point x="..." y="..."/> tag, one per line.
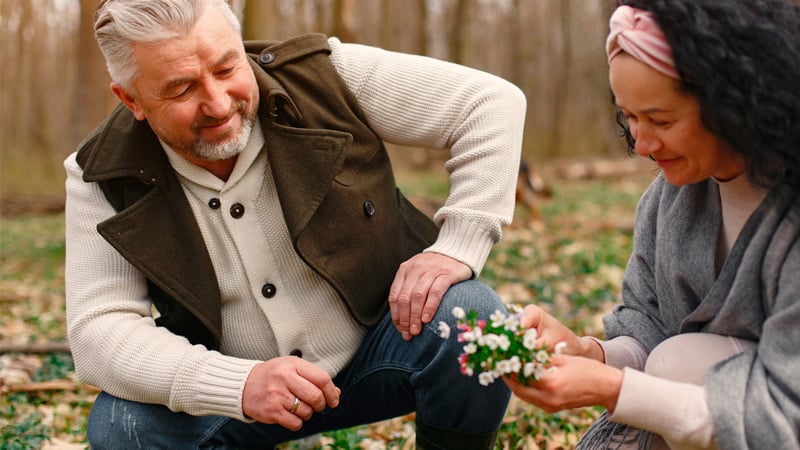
<point x="418" y="289"/>
<point x="270" y="392"/>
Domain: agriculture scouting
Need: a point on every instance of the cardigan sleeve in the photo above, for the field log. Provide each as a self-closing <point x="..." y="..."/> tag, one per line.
<point x="420" y="101"/>
<point x="639" y="314"/>
<point x="676" y="411"/>
<point x="114" y="339"/>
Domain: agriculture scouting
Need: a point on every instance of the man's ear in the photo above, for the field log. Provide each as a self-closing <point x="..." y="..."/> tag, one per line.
<point x="128" y="100"/>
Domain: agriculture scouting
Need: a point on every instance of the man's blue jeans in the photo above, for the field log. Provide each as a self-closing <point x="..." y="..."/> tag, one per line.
<point x="388" y="377"/>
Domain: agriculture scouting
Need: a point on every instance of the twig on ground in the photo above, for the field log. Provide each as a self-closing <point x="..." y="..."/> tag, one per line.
<point x="49" y="347"/>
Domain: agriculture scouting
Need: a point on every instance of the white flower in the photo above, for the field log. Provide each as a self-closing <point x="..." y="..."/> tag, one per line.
<point x="490" y="340"/>
<point x="516" y="364"/>
<point x="497" y="318"/>
<point x="541" y="356"/>
<point x="470" y="348"/>
<point x="503" y="366"/>
<point x="485" y="378"/>
<point x="511" y="323"/>
<point x="503" y="342"/>
<point x="444" y="330"/>
<point x="559" y="347"/>
<point x="468" y="336"/>
<point x="458" y="313"/>
<point x="468" y="371"/>
<point x="529" y="338"/>
<point x="528" y="369"/>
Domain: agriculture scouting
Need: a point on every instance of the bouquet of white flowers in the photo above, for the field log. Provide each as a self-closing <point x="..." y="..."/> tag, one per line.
<point x="498" y="347"/>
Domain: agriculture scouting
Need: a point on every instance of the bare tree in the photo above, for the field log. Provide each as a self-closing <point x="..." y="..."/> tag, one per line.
<point x="37" y="77"/>
<point x="561" y="82"/>
<point x="259" y="20"/>
<point x="551" y="49"/>
<point x="460" y="32"/>
<point x="93" y="98"/>
<point x="422" y="30"/>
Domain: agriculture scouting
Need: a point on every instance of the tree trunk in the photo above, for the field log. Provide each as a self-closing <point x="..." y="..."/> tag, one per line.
<point x="93" y="98"/>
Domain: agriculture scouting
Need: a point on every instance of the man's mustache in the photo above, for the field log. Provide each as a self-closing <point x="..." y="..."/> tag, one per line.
<point x="238" y="107"/>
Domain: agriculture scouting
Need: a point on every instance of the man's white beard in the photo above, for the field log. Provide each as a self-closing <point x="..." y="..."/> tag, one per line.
<point x="208" y="151"/>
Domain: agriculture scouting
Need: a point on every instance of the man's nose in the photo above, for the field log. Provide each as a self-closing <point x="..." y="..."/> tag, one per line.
<point x="216" y="102"/>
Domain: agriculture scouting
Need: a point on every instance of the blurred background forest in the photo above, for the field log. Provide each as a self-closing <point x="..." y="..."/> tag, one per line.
<point x="54" y="87"/>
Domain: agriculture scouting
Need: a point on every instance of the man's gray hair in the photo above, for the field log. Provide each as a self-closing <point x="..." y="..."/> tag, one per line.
<point x="120" y="23"/>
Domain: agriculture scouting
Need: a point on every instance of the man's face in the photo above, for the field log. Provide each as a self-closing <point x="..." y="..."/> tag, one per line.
<point x="197" y="92"/>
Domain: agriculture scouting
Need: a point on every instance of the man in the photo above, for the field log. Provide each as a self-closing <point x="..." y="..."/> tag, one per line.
<point x="234" y="233"/>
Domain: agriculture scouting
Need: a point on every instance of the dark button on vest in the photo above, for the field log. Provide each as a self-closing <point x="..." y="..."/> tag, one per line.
<point x="296" y="352"/>
<point x="214" y="203"/>
<point x="269" y="290"/>
<point x="266" y="57"/>
<point x="237" y="210"/>
<point x="369" y="208"/>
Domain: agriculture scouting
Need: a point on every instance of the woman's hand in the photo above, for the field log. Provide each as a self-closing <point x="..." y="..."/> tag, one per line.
<point x="551" y="332"/>
<point x="573" y="382"/>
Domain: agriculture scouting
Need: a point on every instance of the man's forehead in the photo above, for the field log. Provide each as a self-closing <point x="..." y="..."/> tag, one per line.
<point x="185" y="53"/>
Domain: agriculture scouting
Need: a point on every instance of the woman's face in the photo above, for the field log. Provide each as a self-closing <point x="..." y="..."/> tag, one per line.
<point x="666" y="125"/>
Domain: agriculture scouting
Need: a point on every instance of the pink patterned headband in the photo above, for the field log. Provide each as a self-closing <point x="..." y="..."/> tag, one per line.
<point x="637" y="33"/>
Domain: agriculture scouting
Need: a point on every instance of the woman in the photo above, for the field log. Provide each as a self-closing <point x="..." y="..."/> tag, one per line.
<point x="703" y="352"/>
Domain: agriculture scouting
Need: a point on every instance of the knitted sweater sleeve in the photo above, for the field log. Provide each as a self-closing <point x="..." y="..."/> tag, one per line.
<point x="115" y="342"/>
<point x="419" y="101"/>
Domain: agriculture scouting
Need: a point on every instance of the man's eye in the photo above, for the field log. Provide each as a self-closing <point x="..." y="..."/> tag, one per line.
<point x="182" y="92"/>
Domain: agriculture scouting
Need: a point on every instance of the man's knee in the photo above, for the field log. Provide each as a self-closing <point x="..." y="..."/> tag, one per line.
<point x="471" y="295"/>
<point x="115" y="423"/>
<point x="111" y="425"/>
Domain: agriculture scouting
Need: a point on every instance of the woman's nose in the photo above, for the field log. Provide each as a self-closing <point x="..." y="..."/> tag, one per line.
<point x="646" y="142"/>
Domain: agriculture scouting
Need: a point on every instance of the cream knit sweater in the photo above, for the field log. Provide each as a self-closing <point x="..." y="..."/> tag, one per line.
<point x="409" y="100"/>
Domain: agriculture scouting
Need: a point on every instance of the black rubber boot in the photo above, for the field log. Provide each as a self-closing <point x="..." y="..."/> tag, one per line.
<point x="430" y="437"/>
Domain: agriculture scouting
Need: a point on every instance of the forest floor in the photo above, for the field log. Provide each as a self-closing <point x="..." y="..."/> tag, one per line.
<point x="566" y="251"/>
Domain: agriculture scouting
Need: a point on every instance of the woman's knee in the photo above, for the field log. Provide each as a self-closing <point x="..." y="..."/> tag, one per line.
<point x="688" y="357"/>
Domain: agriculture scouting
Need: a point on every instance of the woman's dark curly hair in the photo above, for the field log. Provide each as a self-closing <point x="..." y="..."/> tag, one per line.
<point x="741" y="60"/>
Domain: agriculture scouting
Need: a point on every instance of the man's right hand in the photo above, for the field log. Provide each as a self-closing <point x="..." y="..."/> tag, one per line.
<point x="270" y="392"/>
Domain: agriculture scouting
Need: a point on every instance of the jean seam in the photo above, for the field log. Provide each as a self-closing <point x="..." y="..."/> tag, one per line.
<point x="212" y="431"/>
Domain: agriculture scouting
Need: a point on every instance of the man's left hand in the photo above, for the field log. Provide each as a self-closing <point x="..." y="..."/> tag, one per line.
<point x="418" y="289"/>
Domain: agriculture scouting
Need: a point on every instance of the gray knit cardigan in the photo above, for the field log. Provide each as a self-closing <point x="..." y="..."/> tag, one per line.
<point x="670" y="287"/>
